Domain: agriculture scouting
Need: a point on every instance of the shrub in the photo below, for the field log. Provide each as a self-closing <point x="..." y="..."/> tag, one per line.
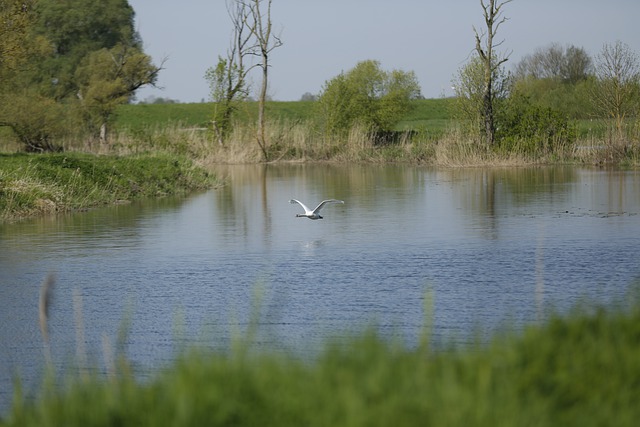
<point x="533" y="129"/>
<point x="367" y="96"/>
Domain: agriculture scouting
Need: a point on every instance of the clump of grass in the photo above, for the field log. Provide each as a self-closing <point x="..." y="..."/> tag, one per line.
<point x="578" y="370"/>
<point x="36" y="184"/>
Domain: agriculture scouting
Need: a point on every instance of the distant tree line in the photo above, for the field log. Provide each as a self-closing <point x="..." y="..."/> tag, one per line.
<point x="65" y="66"/>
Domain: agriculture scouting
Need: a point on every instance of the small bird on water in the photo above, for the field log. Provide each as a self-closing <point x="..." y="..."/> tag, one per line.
<point x="313" y="214"/>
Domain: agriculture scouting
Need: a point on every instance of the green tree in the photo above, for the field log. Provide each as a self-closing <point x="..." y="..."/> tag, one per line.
<point x="17" y="18"/>
<point x="367" y="96"/>
<point x="77" y="28"/>
<point x="91" y="62"/>
<point x="572" y="99"/>
<point x="557" y="77"/>
<point x="107" y="78"/>
<point x="469" y="87"/>
<point x="527" y="127"/>
<point x="225" y="92"/>
<point x="32" y="117"/>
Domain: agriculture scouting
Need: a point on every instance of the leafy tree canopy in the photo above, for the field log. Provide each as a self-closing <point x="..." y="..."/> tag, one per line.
<point x="78" y="59"/>
<point x="469" y="86"/>
<point x="16" y="19"/>
<point x="368" y="96"/>
<point x="76" y="28"/>
<point x="107" y="78"/>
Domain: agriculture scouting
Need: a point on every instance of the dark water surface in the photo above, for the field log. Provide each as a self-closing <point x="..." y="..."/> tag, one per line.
<point x="485" y="246"/>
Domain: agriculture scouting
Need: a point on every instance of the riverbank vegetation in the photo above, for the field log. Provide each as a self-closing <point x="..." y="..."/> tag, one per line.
<point x="67" y="85"/>
<point x="430" y="133"/>
<point x="42" y="184"/>
<point x="575" y="370"/>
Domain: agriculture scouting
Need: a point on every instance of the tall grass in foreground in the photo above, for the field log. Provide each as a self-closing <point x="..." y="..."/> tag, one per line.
<point x="581" y="370"/>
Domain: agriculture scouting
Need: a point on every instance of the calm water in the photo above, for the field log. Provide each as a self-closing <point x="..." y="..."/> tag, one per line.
<point x="488" y="246"/>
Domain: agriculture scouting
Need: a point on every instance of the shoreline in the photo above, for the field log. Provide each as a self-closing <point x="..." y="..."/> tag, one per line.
<point x="33" y="185"/>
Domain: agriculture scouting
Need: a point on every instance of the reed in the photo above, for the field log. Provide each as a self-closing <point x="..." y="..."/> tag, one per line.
<point x="304" y="141"/>
<point x="574" y="370"/>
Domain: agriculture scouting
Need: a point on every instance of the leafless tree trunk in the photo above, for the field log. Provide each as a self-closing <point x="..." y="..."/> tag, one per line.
<point x="493" y="18"/>
<point x="233" y="86"/>
<point x="266" y="41"/>
<point x="617" y="94"/>
<point x="236" y="73"/>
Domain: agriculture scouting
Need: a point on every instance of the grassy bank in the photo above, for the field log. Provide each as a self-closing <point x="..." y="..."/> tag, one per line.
<point x="427" y="135"/>
<point x="583" y="370"/>
<point x="432" y="115"/>
<point x="47" y="183"/>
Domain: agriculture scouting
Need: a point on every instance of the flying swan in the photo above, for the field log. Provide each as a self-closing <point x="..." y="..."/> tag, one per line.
<point x="313" y="214"/>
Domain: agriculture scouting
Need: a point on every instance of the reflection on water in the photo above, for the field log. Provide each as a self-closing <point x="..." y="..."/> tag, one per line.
<point x="490" y="246"/>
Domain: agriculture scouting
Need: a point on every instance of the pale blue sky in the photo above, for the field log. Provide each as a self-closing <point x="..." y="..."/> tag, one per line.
<point x="321" y="38"/>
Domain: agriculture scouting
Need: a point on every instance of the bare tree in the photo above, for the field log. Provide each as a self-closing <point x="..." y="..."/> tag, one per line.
<point x="617" y="93"/>
<point x="261" y="27"/>
<point x="493" y="18"/>
<point x="228" y="79"/>
<point x="570" y="65"/>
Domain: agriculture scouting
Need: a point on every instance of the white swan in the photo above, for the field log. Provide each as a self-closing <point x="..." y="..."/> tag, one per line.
<point x="313" y="214"/>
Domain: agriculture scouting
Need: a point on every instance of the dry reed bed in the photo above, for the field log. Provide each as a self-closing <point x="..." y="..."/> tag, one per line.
<point x="303" y="142"/>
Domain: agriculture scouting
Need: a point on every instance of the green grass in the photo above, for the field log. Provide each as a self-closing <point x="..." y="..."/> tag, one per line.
<point x="582" y="370"/>
<point x="432" y="116"/>
<point x="426" y="113"/>
<point x="31" y="184"/>
<point x="142" y="116"/>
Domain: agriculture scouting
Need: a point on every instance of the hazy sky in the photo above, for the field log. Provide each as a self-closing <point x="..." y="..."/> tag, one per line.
<point x="321" y="38"/>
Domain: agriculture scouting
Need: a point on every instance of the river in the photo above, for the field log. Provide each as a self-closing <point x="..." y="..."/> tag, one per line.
<point x="482" y="249"/>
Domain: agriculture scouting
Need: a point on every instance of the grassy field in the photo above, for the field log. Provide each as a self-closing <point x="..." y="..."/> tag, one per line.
<point x="33" y="184"/>
<point x="581" y="370"/>
<point x="427" y="113"/>
<point x="433" y="116"/>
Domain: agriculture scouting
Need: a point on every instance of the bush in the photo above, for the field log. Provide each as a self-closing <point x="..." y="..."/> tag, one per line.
<point x="522" y="126"/>
<point x="38" y="122"/>
<point x="581" y="370"/>
<point x="367" y="96"/>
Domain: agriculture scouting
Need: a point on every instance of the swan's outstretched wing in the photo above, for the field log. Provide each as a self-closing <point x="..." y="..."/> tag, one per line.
<point x="294" y="201"/>
<point x="324" y="202"/>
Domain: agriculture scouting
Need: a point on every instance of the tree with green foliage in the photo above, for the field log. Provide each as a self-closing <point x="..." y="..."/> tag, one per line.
<point x="530" y="128"/>
<point x="572" y="99"/>
<point x="367" y="96"/>
<point x="76" y="28"/>
<point x="557" y="77"/>
<point x="107" y="78"/>
<point x="86" y="58"/>
<point x="16" y="20"/>
<point x="22" y="108"/>
<point x="469" y="87"/>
